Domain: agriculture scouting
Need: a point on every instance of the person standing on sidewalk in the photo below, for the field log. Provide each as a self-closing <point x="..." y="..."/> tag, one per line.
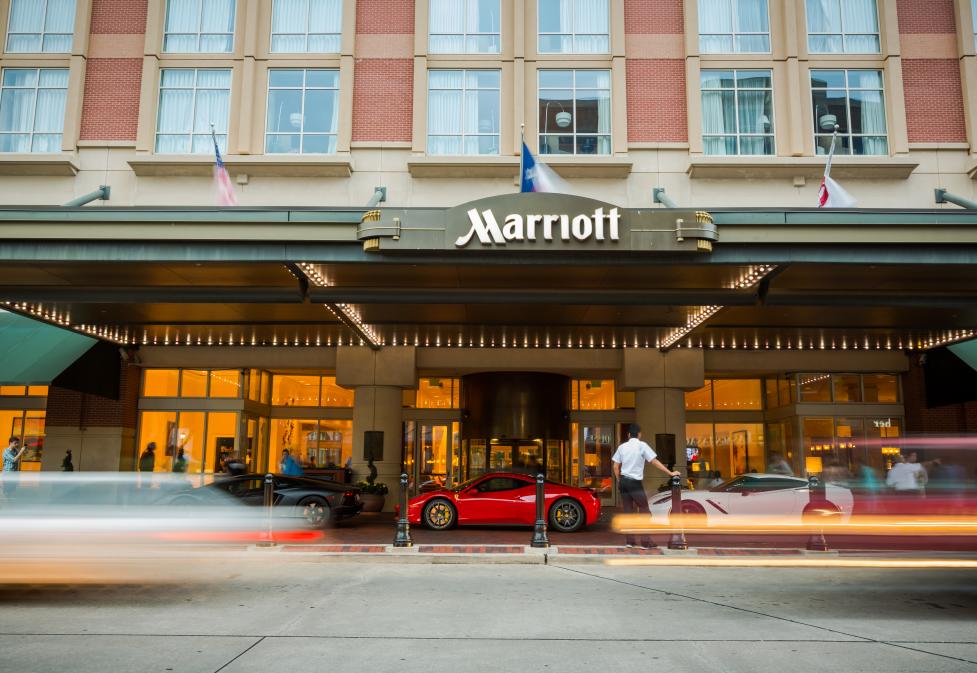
<point x="628" y="465"/>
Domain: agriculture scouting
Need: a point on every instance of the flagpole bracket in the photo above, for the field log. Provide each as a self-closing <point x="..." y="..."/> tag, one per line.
<point x="658" y="196"/>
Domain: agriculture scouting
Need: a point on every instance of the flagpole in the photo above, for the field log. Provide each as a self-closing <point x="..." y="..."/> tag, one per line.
<point x="522" y="153"/>
<point x="831" y="151"/>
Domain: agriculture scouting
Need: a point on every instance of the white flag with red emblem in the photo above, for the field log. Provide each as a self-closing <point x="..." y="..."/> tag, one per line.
<point x="831" y="194"/>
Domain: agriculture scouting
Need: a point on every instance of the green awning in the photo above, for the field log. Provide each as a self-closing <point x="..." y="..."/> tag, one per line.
<point x="33" y="352"/>
<point x="966" y="351"/>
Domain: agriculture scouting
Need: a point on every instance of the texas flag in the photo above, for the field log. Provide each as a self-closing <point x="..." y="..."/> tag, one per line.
<point x="538" y="177"/>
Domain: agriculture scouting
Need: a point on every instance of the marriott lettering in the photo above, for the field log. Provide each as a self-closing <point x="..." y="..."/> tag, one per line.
<point x="516" y="227"/>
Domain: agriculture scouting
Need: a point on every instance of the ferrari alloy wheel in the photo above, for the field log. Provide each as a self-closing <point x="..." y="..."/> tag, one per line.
<point x="566" y="516"/>
<point x="439" y="514"/>
<point x="315" y="512"/>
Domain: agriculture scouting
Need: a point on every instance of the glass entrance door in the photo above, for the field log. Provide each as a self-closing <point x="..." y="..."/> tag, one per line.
<point x="594" y="444"/>
<point x="431" y="455"/>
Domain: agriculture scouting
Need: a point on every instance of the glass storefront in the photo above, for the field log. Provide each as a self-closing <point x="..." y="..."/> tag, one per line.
<point x="314" y="443"/>
<point x="729" y="448"/>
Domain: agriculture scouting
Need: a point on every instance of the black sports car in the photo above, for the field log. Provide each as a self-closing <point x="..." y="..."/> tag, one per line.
<point x="317" y="501"/>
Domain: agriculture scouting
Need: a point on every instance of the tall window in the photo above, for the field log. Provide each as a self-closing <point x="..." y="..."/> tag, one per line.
<point x="973" y="13"/>
<point x="199" y="26"/>
<point x="306" y="26"/>
<point x="573" y="27"/>
<point x="32" y="102"/>
<point x="853" y="100"/>
<point x="40" y="26"/>
<point x="737" y="112"/>
<point x="303" y="109"/>
<point x="464" y="27"/>
<point x="463" y="112"/>
<point x="574" y="111"/>
<point x="842" y="27"/>
<point x="190" y="100"/>
<point x="734" y="27"/>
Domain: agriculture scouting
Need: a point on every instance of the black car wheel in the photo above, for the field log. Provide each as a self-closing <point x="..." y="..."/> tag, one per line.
<point x="693" y="514"/>
<point x="439" y="514"/>
<point x="316" y="512"/>
<point x="567" y="516"/>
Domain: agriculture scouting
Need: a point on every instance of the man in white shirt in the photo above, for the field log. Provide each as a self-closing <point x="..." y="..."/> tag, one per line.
<point x="628" y="464"/>
<point x="907" y="476"/>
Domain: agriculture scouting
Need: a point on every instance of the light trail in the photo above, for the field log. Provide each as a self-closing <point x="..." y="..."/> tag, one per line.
<point x="808" y="562"/>
<point x="921" y="525"/>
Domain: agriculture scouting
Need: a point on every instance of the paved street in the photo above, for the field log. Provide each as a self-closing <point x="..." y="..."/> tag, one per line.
<point x="299" y="614"/>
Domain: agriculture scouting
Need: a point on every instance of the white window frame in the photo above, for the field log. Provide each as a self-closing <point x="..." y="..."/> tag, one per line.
<point x="973" y="20"/>
<point x="300" y="133"/>
<point x="43" y="33"/>
<point x="844" y="34"/>
<point x="465" y="34"/>
<point x="308" y="22"/>
<point x="36" y="88"/>
<point x="736" y="111"/>
<point x="198" y="33"/>
<point x="221" y="137"/>
<point x="839" y="147"/>
<point x="573" y="35"/>
<point x="597" y="135"/>
<point x="734" y="33"/>
<point x="462" y="135"/>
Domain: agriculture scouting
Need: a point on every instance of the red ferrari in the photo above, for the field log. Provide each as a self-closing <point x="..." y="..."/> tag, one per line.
<point x="504" y="498"/>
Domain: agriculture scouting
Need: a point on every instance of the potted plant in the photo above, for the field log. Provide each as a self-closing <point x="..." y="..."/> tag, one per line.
<point x="372" y="495"/>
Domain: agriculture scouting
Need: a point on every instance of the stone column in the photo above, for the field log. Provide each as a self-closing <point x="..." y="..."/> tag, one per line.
<point x="378" y="377"/>
<point x="660" y="381"/>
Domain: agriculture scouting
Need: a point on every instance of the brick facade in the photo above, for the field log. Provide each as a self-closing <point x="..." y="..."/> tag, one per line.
<point x="382" y="99"/>
<point x="655" y="17"/>
<point x="119" y="16"/>
<point x="71" y="409"/>
<point x="657" y="107"/>
<point x="110" y="110"/>
<point x="934" y="101"/>
<point x="931" y="16"/>
<point x="385" y="16"/>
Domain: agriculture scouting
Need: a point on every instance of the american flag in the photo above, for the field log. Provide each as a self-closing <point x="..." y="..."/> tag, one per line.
<point x="222" y="181"/>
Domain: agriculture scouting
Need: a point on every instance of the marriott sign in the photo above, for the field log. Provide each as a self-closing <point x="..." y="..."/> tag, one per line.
<point x="522" y="228"/>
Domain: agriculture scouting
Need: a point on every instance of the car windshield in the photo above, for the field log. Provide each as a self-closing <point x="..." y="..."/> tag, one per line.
<point x="465" y="484"/>
<point x="759" y="483"/>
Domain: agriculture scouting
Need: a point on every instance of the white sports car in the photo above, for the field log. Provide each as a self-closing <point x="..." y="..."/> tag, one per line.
<point x="755" y="495"/>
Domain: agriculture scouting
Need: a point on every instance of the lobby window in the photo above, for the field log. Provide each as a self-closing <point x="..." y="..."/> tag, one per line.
<point x="700" y="399"/>
<point x="334" y="395"/>
<point x="852" y="99"/>
<point x="737" y="395"/>
<point x="40" y="26"/>
<point x="303" y="111"/>
<point x="199" y="26"/>
<point x="23" y="391"/>
<point x="842" y="27"/>
<point x="306" y="26"/>
<point x="295" y="391"/>
<point x="312" y="442"/>
<point x="737" y="112"/>
<point x="434" y="393"/>
<point x="32" y="104"/>
<point x="881" y="388"/>
<point x="847" y="387"/>
<point x="734" y="27"/>
<point x="573" y="26"/>
<point x="190" y="100"/>
<point x="464" y="27"/>
<point x="225" y="383"/>
<point x="727" y="448"/>
<point x="192" y="383"/>
<point x="592" y="395"/>
<point x="204" y="437"/>
<point x="574" y="112"/>
<point x="28" y="426"/>
<point x="815" y="387"/>
<point x="463" y="112"/>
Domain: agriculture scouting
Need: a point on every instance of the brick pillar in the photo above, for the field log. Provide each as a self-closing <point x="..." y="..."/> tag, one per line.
<point x="100" y="432"/>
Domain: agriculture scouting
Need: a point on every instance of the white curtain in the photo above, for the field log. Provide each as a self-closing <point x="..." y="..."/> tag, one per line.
<point x="824" y="16"/>
<point x="325" y="26"/>
<point x="444" y="111"/>
<point x="973" y="11"/>
<point x="590" y="24"/>
<point x="217" y="17"/>
<point x="873" y="109"/>
<point x="752" y="17"/>
<point x="185" y="113"/>
<point x="447" y="26"/>
<point x="16" y="109"/>
<point x="715" y="26"/>
<point x="861" y="26"/>
<point x="754" y="117"/>
<point x="26" y="16"/>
